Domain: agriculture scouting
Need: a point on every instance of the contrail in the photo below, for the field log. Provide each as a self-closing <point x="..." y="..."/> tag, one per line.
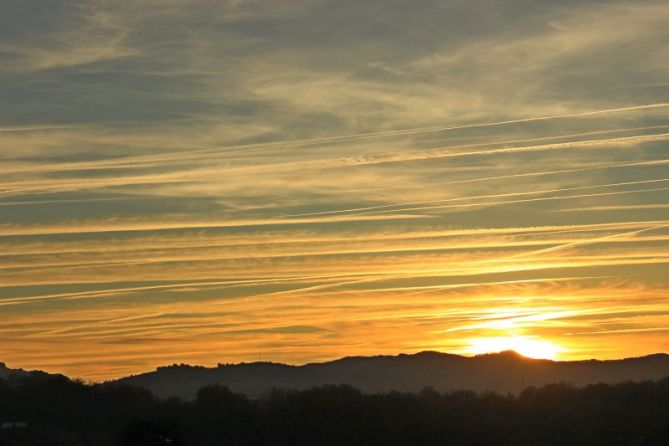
<point x="584" y="242"/>
<point x="203" y="284"/>
<point x="149" y="245"/>
<point x="355" y="136"/>
<point x="512" y="121"/>
<point x="157" y="226"/>
<point x="621" y="207"/>
<point x="69" y="266"/>
<point x="419" y="130"/>
<point x="438" y="154"/>
<point x="622" y="330"/>
<point x="193" y="258"/>
<point x="442" y="153"/>
<point x="527" y="200"/>
<point x="430" y="288"/>
<point x="97" y="323"/>
<point x="400" y="206"/>
<point x="190" y="175"/>
<point x="39" y="128"/>
<point x="74" y="200"/>
<point x="554" y="172"/>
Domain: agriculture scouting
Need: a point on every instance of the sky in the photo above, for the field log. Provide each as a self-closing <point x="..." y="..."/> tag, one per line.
<point x="199" y="181"/>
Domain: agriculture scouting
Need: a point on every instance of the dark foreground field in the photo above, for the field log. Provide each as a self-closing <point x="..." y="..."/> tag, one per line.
<point x="53" y="410"/>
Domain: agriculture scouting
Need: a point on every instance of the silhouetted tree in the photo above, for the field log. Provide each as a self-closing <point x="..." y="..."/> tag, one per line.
<point x="62" y="412"/>
<point x="151" y="433"/>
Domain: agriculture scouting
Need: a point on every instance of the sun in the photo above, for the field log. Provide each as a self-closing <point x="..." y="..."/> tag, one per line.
<point x="526" y="346"/>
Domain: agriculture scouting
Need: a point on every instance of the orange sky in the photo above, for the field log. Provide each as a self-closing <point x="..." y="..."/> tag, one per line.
<point x="298" y="181"/>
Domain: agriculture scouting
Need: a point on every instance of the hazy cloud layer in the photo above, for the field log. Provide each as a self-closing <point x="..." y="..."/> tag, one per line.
<point x="308" y="179"/>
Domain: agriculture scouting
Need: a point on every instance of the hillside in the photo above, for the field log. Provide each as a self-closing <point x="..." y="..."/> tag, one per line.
<point x="500" y="372"/>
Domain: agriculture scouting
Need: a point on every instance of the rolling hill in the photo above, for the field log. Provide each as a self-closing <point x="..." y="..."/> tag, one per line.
<point x="505" y="372"/>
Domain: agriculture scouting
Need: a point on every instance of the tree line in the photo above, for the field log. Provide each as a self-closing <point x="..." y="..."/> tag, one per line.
<point x="46" y="410"/>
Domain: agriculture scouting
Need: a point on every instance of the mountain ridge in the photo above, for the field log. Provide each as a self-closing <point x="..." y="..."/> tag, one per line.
<point x="503" y="372"/>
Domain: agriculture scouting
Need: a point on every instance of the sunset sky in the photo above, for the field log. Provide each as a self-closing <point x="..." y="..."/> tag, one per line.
<point x="207" y="181"/>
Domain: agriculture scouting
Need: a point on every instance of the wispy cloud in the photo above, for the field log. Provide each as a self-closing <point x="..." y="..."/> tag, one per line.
<point x="329" y="178"/>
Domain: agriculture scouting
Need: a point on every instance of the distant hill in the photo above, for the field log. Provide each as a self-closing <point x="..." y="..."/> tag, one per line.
<point x="6" y="372"/>
<point x="505" y="372"/>
<point x="16" y="375"/>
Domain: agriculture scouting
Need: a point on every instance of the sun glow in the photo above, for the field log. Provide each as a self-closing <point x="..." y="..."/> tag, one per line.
<point x="526" y="346"/>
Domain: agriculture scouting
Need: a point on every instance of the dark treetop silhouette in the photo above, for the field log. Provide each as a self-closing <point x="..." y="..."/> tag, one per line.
<point x="41" y="409"/>
<point x="37" y="408"/>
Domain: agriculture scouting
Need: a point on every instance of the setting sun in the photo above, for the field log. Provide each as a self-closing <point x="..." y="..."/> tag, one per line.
<point x="526" y="346"/>
<point x="205" y="182"/>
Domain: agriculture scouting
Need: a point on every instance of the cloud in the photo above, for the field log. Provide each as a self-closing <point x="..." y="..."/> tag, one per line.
<point x="328" y="178"/>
